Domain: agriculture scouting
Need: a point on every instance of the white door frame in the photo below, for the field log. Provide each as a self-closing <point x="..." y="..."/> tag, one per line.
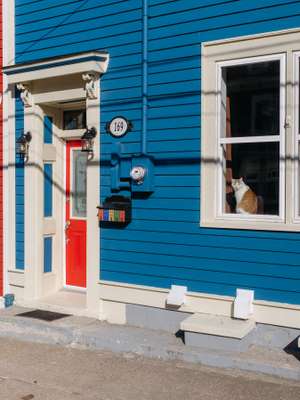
<point x="35" y="223"/>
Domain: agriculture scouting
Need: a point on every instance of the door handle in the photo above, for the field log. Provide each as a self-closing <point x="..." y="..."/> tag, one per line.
<point x="67" y="225"/>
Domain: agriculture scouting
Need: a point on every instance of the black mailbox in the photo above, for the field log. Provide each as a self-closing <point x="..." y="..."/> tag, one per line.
<point x="115" y="211"/>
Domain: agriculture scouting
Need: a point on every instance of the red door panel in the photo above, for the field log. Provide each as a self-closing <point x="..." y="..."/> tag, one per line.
<point x="75" y="227"/>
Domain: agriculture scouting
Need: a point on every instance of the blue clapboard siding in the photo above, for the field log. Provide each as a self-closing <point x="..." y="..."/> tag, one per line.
<point x="48" y="125"/>
<point x="48" y="190"/>
<point x="48" y="254"/>
<point x="19" y="187"/>
<point x="171" y="247"/>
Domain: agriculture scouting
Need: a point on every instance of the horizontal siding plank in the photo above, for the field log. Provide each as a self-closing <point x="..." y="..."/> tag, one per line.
<point x="228" y="10"/>
<point x="210" y="275"/>
<point x="162" y="193"/>
<point x="208" y="240"/>
<point x="234" y="18"/>
<point x="91" y="36"/>
<point x="76" y="27"/>
<point x="179" y="227"/>
<point x="209" y="255"/>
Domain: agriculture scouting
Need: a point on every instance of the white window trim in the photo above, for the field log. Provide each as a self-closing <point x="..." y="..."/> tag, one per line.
<point x="283" y="46"/>
<point x="295" y="154"/>
<point x="253" y="139"/>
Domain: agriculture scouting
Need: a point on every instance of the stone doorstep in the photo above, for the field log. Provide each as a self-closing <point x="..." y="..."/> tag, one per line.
<point x="217" y="332"/>
<point x="217" y="325"/>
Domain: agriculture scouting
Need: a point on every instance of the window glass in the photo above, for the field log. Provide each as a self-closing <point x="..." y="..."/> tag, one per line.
<point x="75" y="119"/>
<point x="298" y="180"/>
<point x="250" y="99"/>
<point x="251" y="178"/>
<point x="298" y="129"/>
<point x="79" y="170"/>
<point x="298" y="141"/>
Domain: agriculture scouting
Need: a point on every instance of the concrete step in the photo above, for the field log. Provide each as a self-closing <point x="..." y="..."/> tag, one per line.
<point x="63" y="301"/>
<point x="217" y="332"/>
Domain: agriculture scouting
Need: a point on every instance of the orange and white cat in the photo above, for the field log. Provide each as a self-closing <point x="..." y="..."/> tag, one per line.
<point x="246" y="199"/>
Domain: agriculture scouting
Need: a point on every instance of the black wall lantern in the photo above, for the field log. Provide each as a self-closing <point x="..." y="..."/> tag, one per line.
<point x="87" y="140"/>
<point x="23" y="144"/>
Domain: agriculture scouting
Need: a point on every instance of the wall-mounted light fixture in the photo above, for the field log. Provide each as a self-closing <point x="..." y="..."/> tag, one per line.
<point x="87" y="140"/>
<point x="23" y="144"/>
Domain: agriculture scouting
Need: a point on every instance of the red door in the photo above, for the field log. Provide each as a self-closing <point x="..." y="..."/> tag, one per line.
<point x="75" y="227"/>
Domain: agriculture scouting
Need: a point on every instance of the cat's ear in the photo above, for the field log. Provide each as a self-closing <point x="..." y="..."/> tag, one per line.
<point x="241" y="179"/>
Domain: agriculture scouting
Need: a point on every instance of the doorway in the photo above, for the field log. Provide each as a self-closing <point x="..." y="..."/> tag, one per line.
<point x="76" y="214"/>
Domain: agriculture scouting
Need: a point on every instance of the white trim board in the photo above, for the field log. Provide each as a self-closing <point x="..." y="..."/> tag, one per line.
<point x="295" y="129"/>
<point x="279" y="138"/>
<point x="8" y="52"/>
<point x="270" y="313"/>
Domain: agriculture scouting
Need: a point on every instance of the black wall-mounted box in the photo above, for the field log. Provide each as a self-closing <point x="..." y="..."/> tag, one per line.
<point x="115" y="211"/>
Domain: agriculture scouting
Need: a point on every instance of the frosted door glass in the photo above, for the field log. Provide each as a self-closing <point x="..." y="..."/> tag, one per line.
<point x="79" y="184"/>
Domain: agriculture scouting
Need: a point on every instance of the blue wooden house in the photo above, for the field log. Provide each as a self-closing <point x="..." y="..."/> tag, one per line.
<point x="179" y="119"/>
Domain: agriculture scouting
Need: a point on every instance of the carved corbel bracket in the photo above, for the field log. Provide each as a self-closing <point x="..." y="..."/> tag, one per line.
<point x="90" y="86"/>
<point x="25" y="94"/>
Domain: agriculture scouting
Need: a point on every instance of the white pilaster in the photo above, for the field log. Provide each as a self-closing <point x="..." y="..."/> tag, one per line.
<point x="93" y="195"/>
<point x="8" y="24"/>
<point x="33" y="122"/>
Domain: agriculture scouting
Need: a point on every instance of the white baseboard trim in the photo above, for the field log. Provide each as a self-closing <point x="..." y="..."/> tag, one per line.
<point x="270" y="313"/>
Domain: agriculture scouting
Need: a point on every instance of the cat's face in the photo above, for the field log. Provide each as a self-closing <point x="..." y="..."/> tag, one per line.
<point x="237" y="184"/>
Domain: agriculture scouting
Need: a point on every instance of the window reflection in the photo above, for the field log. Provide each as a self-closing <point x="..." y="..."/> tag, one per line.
<point x="252" y="98"/>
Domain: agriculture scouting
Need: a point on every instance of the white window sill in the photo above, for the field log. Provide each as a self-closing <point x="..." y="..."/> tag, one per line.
<point x="251" y="225"/>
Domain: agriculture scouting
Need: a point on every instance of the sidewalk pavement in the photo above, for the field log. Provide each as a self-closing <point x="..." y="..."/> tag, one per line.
<point x="93" y="334"/>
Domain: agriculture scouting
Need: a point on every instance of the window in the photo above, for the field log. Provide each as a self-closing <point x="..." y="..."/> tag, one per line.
<point x="74" y="119"/>
<point x="249" y="136"/>
<point x="79" y="183"/>
<point x="250" y="175"/>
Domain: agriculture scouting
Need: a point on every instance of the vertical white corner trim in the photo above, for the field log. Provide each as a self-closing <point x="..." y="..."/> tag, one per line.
<point x="93" y="196"/>
<point x="8" y="26"/>
<point x="8" y="29"/>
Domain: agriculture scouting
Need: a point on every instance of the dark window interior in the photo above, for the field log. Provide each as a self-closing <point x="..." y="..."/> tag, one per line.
<point x="258" y="165"/>
<point x="74" y="119"/>
<point x="254" y="91"/>
<point x="252" y="105"/>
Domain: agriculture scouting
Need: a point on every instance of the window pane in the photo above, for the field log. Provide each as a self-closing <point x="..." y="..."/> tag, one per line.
<point x="299" y="99"/>
<point x="75" y="119"/>
<point x="79" y="184"/>
<point x="250" y="102"/>
<point x="298" y="177"/>
<point x="251" y="178"/>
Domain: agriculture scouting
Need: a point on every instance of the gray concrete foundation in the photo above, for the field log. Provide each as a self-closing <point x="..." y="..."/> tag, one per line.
<point x="169" y="321"/>
<point x="154" y="318"/>
<point x="216" y="342"/>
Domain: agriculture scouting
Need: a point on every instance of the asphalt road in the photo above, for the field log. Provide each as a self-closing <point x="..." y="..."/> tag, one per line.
<point x="42" y="372"/>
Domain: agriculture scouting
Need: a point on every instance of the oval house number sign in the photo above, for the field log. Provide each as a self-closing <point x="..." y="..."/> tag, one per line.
<point x="119" y="126"/>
